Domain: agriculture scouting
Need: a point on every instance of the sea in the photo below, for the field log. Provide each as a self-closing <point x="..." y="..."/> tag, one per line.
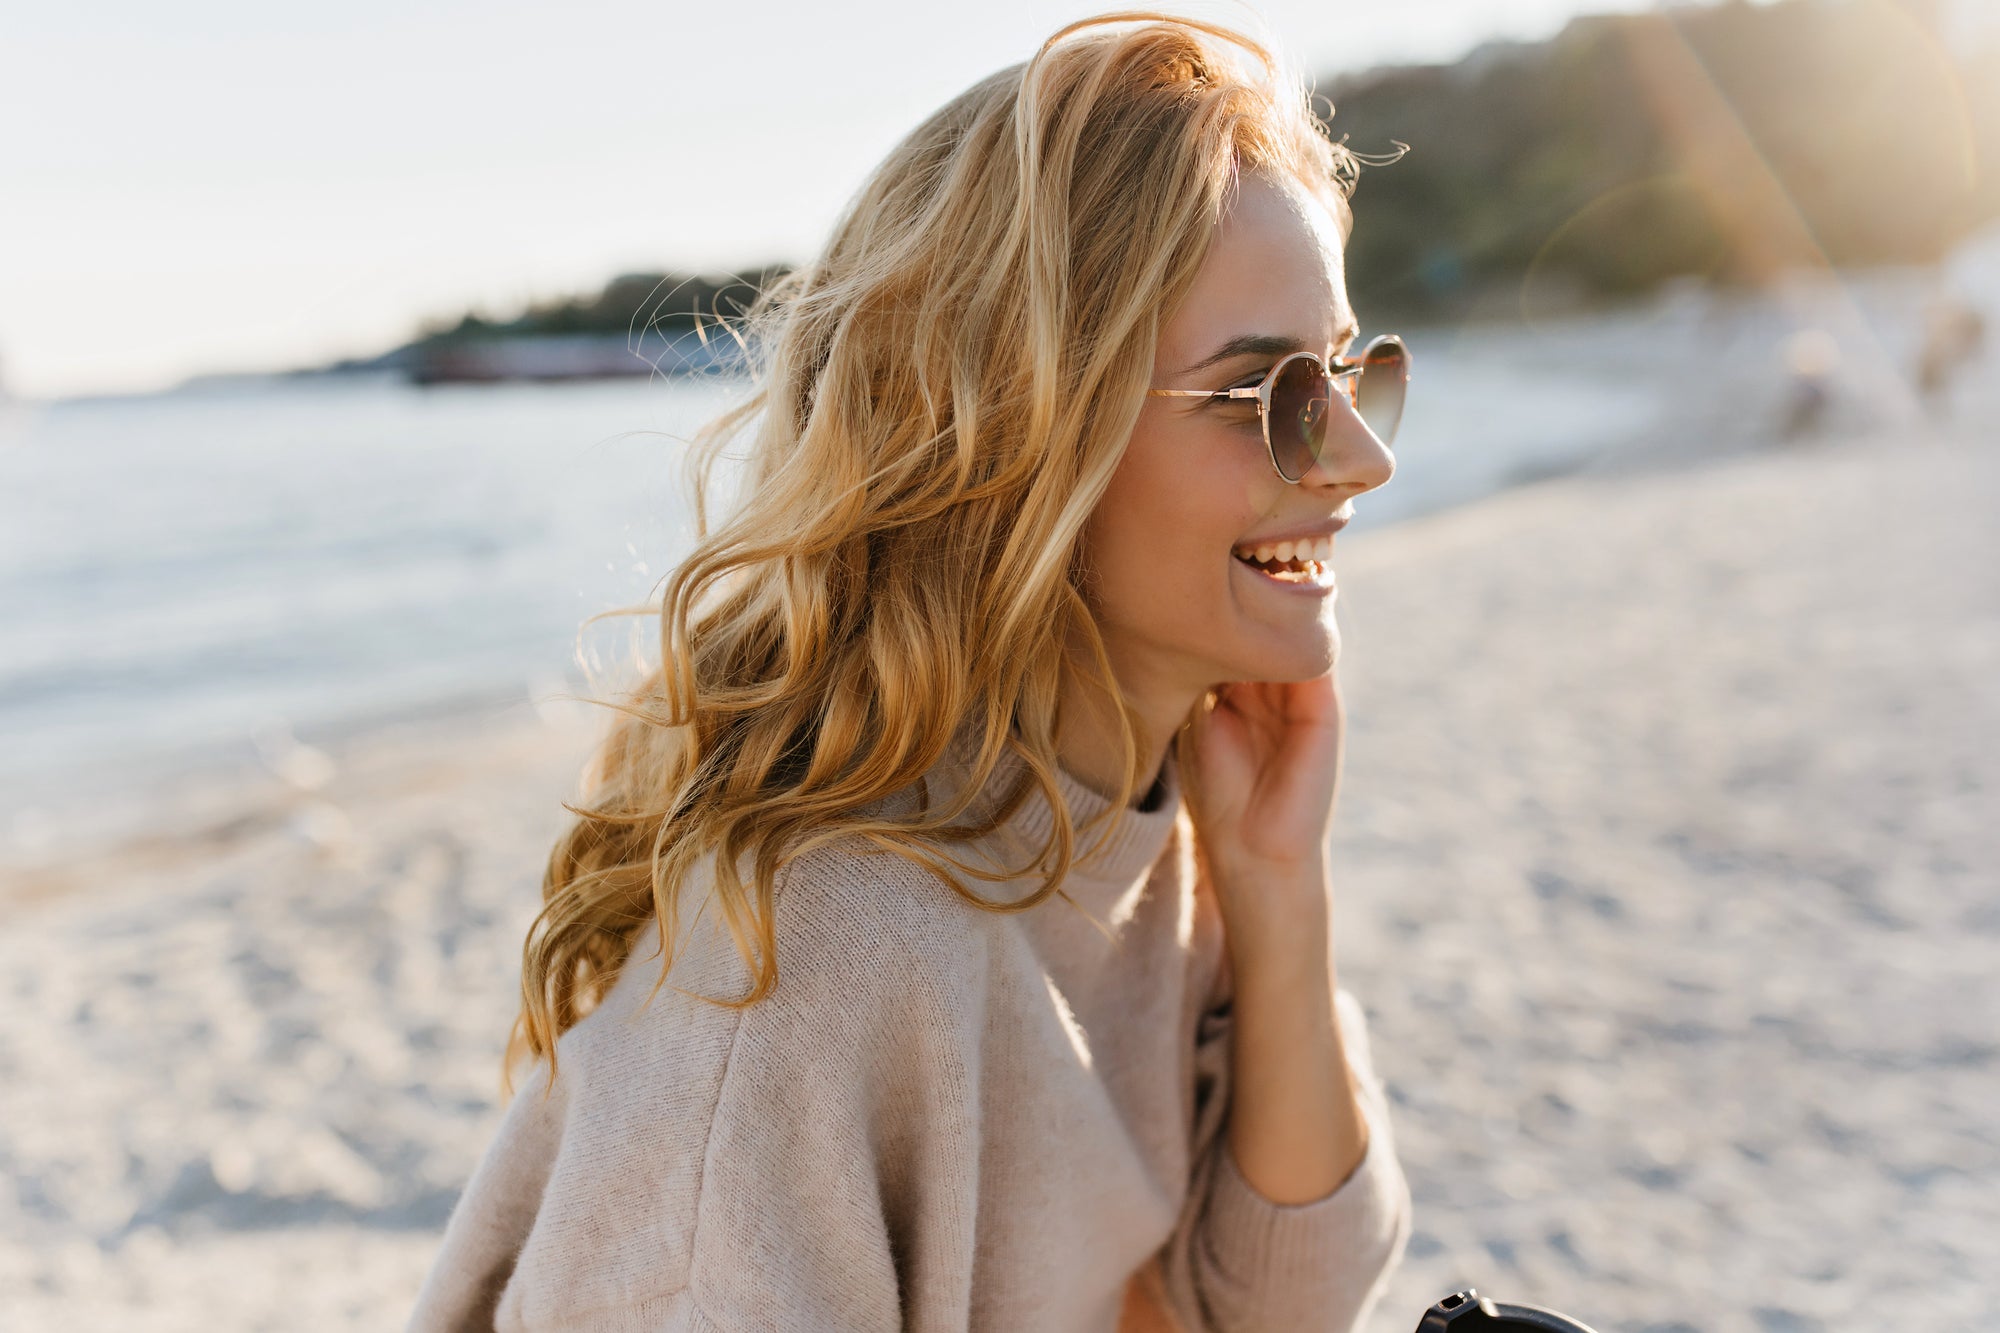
<point x="209" y="576"/>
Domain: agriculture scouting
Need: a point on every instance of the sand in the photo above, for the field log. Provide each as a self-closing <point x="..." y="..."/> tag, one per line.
<point x="1669" y="874"/>
<point x="1670" y="863"/>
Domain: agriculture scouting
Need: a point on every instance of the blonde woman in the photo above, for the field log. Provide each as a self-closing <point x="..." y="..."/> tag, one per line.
<point x="945" y="941"/>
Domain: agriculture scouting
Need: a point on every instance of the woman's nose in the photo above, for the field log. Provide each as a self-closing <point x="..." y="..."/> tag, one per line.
<point x="1352" y="460"/>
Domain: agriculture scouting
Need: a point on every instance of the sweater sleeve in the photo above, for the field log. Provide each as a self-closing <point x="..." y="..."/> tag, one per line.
<point x="1239" y="1261"/>
<point x="799" y="1165"/>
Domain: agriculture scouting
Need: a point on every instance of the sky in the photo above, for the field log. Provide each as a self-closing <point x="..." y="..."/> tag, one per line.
<point x="227" y="185"/>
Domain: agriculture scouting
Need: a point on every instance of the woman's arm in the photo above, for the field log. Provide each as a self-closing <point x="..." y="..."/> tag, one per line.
<point x="1240" y="1260"/>
<point x="1301" y="1207"/>
<point x="1295" y="1126"/>
<point x="1265" y="773"/>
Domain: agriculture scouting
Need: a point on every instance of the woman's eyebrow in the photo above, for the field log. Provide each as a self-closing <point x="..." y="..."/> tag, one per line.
<point x="1265" y="344"/>
<point x="1247" y="344"/>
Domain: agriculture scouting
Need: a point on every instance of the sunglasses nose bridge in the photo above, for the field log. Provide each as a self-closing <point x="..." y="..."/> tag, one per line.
<point x="1348" y="387"/>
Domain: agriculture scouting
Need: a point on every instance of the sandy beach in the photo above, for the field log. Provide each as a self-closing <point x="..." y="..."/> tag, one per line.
<point x="1669" y="876"/>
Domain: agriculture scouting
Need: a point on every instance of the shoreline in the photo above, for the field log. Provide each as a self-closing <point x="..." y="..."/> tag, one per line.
<point x="173" y="803"/>
<point x="313" y="796"/>
<point x="1655" y="387"/>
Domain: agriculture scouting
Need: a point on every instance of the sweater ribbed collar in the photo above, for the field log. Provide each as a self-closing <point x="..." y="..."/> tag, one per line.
<point x="1112" y="853"/>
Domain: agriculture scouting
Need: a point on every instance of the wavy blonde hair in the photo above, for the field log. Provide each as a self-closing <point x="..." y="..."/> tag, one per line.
<point x="941" y="399"/>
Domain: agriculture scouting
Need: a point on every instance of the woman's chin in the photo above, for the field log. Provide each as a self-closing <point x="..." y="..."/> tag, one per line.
<point x="1303" y="658"/>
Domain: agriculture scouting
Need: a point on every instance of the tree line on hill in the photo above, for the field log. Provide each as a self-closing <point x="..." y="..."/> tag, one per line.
<point x="664" y="305"/>
<point x="1727" y="143"/>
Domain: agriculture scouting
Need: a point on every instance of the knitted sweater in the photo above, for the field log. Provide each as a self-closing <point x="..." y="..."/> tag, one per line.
<point x="943" y="1118"/>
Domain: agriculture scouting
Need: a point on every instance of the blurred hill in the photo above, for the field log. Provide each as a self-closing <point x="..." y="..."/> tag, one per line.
<point x="667" y="303"/>
<point x="637" y="324"/>
<point x="1726" y="143"/>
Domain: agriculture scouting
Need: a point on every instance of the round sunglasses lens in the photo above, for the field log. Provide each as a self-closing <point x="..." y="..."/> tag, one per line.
<point x="1301" y="397"/>
<point x="1383" y="384"/>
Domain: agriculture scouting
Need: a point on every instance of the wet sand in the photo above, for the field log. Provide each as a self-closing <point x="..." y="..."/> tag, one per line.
<point x="1669" y="875"/>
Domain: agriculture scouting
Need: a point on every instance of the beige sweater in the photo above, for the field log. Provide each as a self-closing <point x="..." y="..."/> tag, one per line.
<point x="943" y="1118"/>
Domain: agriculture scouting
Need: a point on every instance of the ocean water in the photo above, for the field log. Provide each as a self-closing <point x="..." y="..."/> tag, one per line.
<point x="184" y="577"/>
<point x="183" y="573"/>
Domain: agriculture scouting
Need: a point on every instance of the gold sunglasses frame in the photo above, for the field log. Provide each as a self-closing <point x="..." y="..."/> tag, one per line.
<point x="1340" y="369"/>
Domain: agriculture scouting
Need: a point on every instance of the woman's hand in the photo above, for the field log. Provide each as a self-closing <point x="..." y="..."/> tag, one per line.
<point x="1263" y="772"/>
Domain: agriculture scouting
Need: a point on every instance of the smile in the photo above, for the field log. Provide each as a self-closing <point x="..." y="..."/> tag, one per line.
<point x="1304" y="564"/>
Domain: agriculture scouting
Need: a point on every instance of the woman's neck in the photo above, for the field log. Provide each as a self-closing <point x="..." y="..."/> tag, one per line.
<point x="1090" y="747"/>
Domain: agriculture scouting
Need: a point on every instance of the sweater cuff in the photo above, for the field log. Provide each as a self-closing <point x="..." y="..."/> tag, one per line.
<point x="1266" y="1244"/>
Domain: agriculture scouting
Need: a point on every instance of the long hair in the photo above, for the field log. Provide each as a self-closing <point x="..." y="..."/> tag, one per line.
<point x="941" y="398"/>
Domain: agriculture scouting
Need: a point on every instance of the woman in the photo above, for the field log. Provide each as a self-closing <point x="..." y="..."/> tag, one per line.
<point x="810" y="1046"/>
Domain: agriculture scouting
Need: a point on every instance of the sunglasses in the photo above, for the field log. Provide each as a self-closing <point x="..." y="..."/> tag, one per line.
<point x="1295" y="400"/>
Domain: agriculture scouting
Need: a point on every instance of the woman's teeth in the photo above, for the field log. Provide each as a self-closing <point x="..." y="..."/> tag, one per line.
<point x="1282" y="552"/>
<point x="1291" y="562"/>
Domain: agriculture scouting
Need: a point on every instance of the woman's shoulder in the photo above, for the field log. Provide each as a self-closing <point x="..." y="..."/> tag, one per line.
<point x="674" y="1108"/>
<point x="844" y="896"/>
<point x="860" y="934"/>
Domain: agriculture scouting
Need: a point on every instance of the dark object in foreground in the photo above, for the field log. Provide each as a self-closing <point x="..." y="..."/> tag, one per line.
<point x="1469" y="1312"/>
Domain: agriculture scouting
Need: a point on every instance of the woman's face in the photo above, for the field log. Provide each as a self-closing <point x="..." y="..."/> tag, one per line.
<point x="1181" y="607"/>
